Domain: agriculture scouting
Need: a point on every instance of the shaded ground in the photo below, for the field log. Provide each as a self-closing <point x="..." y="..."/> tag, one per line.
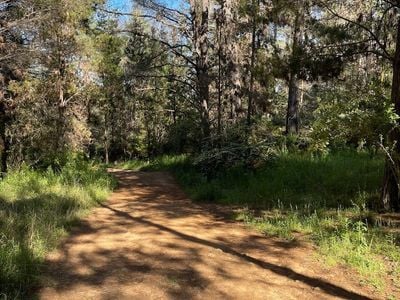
<point x="150" y="242"/>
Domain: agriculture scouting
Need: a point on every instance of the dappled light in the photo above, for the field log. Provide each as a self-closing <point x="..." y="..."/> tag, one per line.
<point x="150" y="241"/>
<point x="256" y="145"/>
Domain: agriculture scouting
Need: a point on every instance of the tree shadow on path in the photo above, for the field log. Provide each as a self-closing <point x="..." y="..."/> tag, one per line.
<point x="329" y="288"/>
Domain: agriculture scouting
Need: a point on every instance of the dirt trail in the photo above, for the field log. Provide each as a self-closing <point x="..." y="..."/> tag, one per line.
<point x="150" y="242"/>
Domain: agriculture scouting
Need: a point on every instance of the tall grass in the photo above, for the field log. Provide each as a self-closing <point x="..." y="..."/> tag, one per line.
<point x="36" y="210"/>
<point x="339" y="180"/>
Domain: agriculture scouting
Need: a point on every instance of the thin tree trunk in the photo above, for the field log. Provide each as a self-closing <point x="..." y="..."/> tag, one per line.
<point x="390" y="197"/>
<point x="174" y="109"/>
<point x="200" y="17"/>
<point x="148" y="133"/>
<point x="231" y="54"/>
<point x="107" y="157"/>
<point x="219" y="23"/>
<point x="106" y="139"/>
<point x="252" y="64"/>
<point x="292" y="116"/>
<point x="3" y="138"/>
<point x="60" y="130"/>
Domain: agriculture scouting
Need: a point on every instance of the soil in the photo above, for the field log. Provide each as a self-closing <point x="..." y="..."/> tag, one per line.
<point x="149" y="241"/>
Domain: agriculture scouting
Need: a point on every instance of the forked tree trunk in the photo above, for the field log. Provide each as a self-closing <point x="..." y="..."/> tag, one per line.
<point x="390" y="197"/>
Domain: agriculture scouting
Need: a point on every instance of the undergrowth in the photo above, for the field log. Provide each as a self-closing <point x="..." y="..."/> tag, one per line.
<point x="36" y="210"/>
<point x="324" y="198"/>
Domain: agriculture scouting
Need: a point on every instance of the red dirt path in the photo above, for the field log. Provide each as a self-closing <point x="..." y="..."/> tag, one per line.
<point x="150" y="242"/>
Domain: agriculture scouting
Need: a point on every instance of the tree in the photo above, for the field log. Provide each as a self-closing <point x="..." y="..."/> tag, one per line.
<point x="199" y="10"/>
<point x="60" y="36"/>
<point x="379" y="25"/>
<point x="14" y="19"/>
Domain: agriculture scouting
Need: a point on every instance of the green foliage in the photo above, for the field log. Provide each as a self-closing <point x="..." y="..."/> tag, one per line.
<point x="110" y="55"/>
<point x="336" y="180"/>
<point x="84" y="81"/>
<point x="302" y="180"/>
<point x="351" y="117"/>
<point x="183" y="135"/>
<point x="36" y="210"/>
<point x="161" y="163"/>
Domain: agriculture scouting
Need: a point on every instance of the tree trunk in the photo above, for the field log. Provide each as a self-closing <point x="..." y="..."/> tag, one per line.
<point x="292" y="116"/>
<point x="232" y="57"/>
<point x="390" y="197"/>
<point x="3" y="138"/>
<point x="106" y="138"/>
<point x="107" y="157"/>
<point x="252" y="64"/>
<point x="204" y="96"/>
<point x="60" y="130"/>
<point x="220" y="20"/>
<point x="200" y="18"/>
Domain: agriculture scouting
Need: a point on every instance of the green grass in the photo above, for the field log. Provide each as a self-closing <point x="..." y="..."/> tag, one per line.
<point x="342" y="236"/>
<point x="301" y="181"/>
<point x="134" y="165"/>
<point x="338" y="180"/>
<point x="36" y="210"/>
<point x="321" y="198"/>
<point x="175" y="163"/>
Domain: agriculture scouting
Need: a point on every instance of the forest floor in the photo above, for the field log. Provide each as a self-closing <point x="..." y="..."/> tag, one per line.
<point x="149" y="241"/>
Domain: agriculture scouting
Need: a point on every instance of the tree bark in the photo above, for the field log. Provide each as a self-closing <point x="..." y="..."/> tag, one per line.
<point x="106" y="145"/>
<point x="200" y="19"/>
<point x="390" y="197"/>
<point x="3" y="137"/>
<point x="252" y="64"/>
<point x="232" y="57"/>
<point x="219" y="22"/>
<point x="61" y="70"/>
<point x="292" y="116"/>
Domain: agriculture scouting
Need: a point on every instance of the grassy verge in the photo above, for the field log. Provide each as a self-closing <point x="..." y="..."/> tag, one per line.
<point x="36" y="210"/>
<point x="324" y="199"/>
<point x="346" y="236"/>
